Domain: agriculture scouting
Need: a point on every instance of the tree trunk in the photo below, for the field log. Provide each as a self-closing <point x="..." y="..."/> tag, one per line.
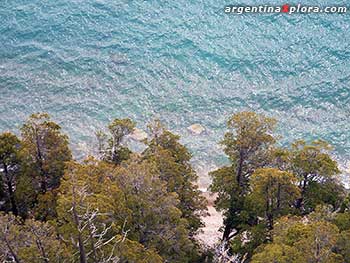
<point x="300" y="201"/>
<point x="41" y="249"/>
<point x="82" y="253"/>
<point x="278" y="197"/>
<point x="229" y="226"/>
<point x="227" y="231"/>
<point x="92" y="243"/>
<point x="229" y="222"/>
<point x="270" y="221"/>
<point x="240" y="169"/>
<point x="14" y="255"/>
<point x="10" y="190"/>
<point x="269" y="214"/>
<point x="40" y="163"/>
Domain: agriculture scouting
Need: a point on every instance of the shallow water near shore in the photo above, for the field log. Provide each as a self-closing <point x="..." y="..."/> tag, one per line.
<point x="185" y="62"/>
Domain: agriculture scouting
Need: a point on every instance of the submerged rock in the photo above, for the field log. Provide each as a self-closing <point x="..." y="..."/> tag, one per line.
<point x="138" y="135"/>
<point x="196" y="129"/>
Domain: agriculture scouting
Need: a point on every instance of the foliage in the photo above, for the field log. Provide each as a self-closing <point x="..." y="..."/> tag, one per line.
<point x="245" y="242"/>
<point x="45" y="209"/>
<point x="277" y="253"/>
<point x="85" y="210"/>
<point x="315" y="240"/>
<point x="9" y="167"/>
<point x="273" y="193"/>
<point x="342" y="221"/>
<point x="155" y="221"/>
<point x="43" y="153"/>
<point x="316" y="171"/>
<point x="30" y="241"/>
<point x="279" y="204"/>
<point x="44" y="150"/>
<point x="248" y="144"/>
<point x="172" y="160"/>
<point x="25" y="195"/>
<point x="343" y="245"/>
<point x="110" y="146"/>
<point x="265" y="182"/>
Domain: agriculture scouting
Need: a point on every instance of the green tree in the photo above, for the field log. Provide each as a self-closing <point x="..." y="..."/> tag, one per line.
<point x="277" y="253"/>
<point x="345" y="206"/>
<point x="342" y="217"/>
<point x="42" y="244"/>
<point x="316" y="171"/>
<point x="315" y="240"/>
<point x="85" y="206"/>
<point x="45" y="151"/>
<point x="110" y="146"/>
<point x="343" y="245"/>
<point x="342" y="221"/>
<point x="10" y="238"/>
<point x="246" y="242"/>
<point x="239" y="213"/>
<point x="248" y="144"/>
<point x="25" y="195"/>
<point x="45" y="209"/>
<point x="9" y="167"/>
<point x="172" y="160"/>
<point x="319" y="243"/>
<point x="93" y="216"/>
<point x="273" y="193"/>
<point x="30" y="241"/>
<point x="281" y="158"/>
<point x="155" y="221"/>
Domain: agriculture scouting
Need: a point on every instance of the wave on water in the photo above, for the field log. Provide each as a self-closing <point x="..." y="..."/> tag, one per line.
<point x="185" y="62"/>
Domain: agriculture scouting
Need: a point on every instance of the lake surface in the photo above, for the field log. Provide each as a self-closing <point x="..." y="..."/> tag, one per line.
<point x="87" y="62"/>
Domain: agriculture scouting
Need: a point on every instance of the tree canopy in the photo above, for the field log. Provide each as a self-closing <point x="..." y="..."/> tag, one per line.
<point x="279" y="204"/>
<point x="265" y="182"/>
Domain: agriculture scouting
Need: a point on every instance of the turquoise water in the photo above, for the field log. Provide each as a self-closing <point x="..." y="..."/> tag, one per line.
<point x="86" y="62"/>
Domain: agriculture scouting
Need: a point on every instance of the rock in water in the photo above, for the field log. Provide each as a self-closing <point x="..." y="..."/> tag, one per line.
<point x="196" y="129"/>
<point x="138" y="135"/>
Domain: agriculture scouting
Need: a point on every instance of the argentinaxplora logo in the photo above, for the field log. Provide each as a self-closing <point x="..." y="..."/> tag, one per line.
<point x="286" y="8"/>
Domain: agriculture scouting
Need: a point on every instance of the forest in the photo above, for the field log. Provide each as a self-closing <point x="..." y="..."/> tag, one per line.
<point x="281" y="204"/>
